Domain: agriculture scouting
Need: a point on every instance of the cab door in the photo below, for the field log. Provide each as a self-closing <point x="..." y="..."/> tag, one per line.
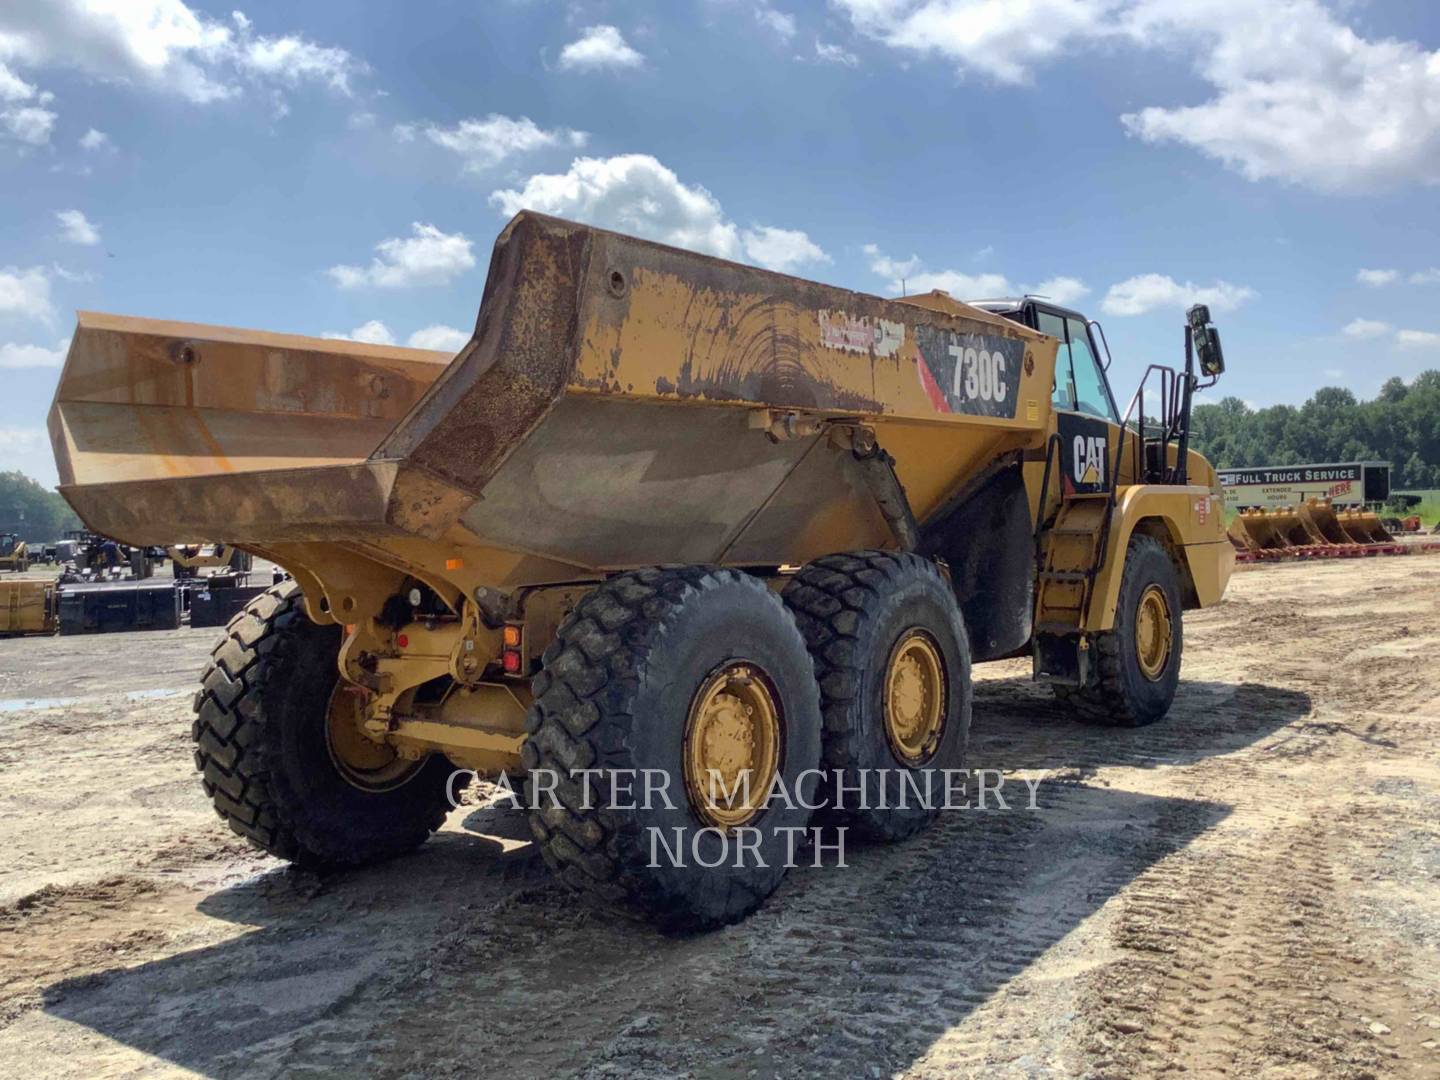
<point x="1085" y="413"/>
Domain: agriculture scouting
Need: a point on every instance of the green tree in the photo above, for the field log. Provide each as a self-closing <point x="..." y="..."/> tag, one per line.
<point x="1400" y="425"/>
<point x="28" y="509"/>
<point x="1394" y="389"/>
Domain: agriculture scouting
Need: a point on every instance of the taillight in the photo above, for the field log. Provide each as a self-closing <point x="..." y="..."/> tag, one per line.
<point x="512" y="657"/>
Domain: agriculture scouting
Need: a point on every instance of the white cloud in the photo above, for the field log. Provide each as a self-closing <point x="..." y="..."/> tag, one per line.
<point x="293" y="60"/>
<point x="33" y="356"/>
<point x="484" y="143"/>
<point x="1147" y="292"/>
<point x="1333" y="372"/>
<point x="599" y="47"/>
<point x="23" y="112"/>
<point x="12" y="438"/>
<point x="1296" y="94"/>
<point x="907" y="276"/>
<point x="835" y="54"/>
<point x="28" y="450"/>
<point x="960" y="285"/>
<point x="779" y="23"/>
<point x="634" y="193"/>
<point x="75" y="228"/>
<point x="94" y="140"/>
<point x="373" y="332"/>
<point x="1299" y="96"/>
<point x="12" y="87"/>
<point x="427" y="257"/>
<point x="1377" y="278"/>
<point x="30" y="124"/>
<point x="1062" y="290"/>
<point x="897" y="271"/>
<point x="1001" y="39"/>
<point x="1365" y="328"/>
<point x="780" y="249"/>
<point x="1426" y="277"/>
<point x="166" y="46"/>
<point x="25" y="293"/>
<point x="1417" y="339"/>
<point x="439" y="337"/>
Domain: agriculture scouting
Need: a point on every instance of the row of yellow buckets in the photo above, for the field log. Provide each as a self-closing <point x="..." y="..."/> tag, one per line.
<point x="1312" y="525"/>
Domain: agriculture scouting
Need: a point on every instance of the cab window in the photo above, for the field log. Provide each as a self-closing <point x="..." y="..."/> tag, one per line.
<point x="1092" y="396"/>
<point x="1054" y="326"/>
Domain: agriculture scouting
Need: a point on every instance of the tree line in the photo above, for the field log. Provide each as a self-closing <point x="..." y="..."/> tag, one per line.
<point x="1401" y="425"/>
<point x="28" y="509"/>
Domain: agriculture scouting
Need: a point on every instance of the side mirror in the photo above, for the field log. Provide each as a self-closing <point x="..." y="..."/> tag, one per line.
<point x="1207" y="341"/>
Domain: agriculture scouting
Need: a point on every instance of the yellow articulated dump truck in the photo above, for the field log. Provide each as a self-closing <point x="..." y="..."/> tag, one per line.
<point x="691" y="547"/>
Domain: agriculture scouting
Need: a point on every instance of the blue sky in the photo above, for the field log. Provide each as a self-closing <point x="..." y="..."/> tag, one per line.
<point x="327" y="167"/>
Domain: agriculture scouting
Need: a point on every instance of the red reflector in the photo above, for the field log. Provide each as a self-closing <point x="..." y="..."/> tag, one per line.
<point x="511" y="661"/>
<point x="403" y="640"/>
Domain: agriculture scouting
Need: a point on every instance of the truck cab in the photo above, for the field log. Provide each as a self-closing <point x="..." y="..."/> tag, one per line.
<point x="1151" y="486"/>
<point x="1080" y="383"/>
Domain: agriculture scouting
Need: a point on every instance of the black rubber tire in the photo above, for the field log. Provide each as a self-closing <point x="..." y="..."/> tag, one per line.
<point x="1119" y="694"/>
<point x="614" y="693"/>
<point x="853" y="610"/>
<point x="261" y="747"/>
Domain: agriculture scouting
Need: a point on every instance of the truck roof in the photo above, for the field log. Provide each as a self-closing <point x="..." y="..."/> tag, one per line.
<point x="1008" y="305"/>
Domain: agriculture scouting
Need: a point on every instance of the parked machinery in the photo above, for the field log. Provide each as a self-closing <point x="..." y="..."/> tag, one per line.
<point x="14" y="553"/>
<point x="664" y="513"/>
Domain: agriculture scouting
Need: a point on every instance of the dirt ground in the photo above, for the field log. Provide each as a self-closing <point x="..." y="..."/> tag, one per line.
<point x="1249" y="888"/>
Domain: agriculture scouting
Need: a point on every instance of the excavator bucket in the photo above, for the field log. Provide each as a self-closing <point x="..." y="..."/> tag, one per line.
<point x="1293" y="529"/>
<point x="1364" y="527"/>
<point x="1255" y="531"/>
<point x="1319" y="517"/>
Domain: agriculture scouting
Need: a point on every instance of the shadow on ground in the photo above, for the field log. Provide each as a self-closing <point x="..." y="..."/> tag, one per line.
<point x="465" y="958"/>
<point x="1019" y="725"/>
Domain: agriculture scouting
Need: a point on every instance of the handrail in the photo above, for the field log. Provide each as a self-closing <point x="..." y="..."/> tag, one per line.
<point x="1052" y="445"/>
<point x="1169" y="419"/>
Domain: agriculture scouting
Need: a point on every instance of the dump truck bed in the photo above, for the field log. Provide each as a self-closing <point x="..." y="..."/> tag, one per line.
<point x="620" y="403"/>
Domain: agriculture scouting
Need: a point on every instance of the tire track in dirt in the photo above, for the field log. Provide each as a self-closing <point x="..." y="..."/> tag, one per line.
<point x="1236" y="961"/>
<point x="1206" y="894"/>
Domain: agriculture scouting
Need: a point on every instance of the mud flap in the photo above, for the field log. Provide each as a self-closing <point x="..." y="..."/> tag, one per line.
<point x="1062" y="659"/>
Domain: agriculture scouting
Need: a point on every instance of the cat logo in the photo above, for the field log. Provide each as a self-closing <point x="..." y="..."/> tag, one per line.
<point x="1088" y="461"/>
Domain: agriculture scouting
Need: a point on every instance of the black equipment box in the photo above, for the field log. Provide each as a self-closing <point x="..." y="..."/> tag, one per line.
<point x="109" y="608"/>
<point x="216" y="607"/>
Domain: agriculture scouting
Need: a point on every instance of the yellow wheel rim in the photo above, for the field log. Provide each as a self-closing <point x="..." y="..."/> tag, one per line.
<point x="364" y="763"/>
<point x="1153" y="632"/>
<point x="732" y="736"/>
<point x="915" y="696"/>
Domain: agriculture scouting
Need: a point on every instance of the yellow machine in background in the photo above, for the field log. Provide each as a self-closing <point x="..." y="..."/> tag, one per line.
<point x="14" y="553"/>
<point x="189" y="559"/>
<point x="662" y="513"/>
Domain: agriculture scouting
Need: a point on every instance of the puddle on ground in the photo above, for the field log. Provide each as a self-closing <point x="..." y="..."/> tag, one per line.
<point x="10" y="705"/>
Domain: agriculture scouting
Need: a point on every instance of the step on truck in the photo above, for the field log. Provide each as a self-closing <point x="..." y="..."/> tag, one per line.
<point x="663" y="517"/>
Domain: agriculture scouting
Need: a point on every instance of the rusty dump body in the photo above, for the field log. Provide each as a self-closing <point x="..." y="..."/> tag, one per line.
<point x="551" y="446"/>
<point x="620" y="404"/>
